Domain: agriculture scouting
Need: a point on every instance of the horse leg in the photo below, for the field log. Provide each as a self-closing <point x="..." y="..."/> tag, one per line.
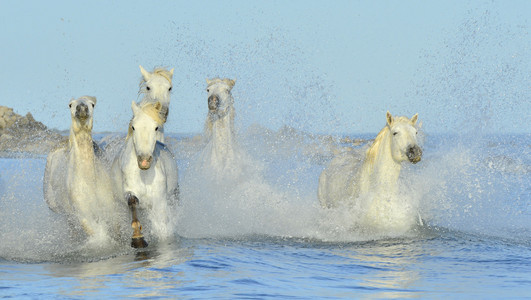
<point x="86" y="227"/>
<point x="137" y="240"/>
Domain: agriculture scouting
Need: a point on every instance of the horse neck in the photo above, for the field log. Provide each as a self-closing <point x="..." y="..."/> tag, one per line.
<point x="381" y="171"/>
<point x="165" y="101"/>
<point x="82" y="151"/>
<point x="223" y="137"/>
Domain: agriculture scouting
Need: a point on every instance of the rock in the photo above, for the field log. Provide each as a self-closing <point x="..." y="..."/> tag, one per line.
<point x="7" y="117"/>
<point x="25" y="134"/>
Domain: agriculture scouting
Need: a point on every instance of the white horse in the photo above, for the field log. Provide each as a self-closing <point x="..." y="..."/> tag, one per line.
<point x="347" y="177"/>
<point x="156" y="87"/>
<point x="75" y="181"/>
<point x="145" y="173"/>
<point x="220" y="155"/>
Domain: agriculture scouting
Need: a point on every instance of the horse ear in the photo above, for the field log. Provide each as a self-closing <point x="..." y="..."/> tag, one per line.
<point x="145" y="73"/>
<point x="231" y="83"/>
<point x="389" y="118"/>
<point x="135" y="107"/>
<point x="92" y="98"/>
<point x="414" y="119"/>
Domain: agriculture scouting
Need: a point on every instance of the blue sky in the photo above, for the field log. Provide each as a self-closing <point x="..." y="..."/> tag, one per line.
<point x="321" y="66"/>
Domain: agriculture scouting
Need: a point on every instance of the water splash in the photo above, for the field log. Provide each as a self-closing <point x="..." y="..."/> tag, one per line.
<point x="478" y="77"/>
<point x="467" y="183"/>
<point x="30" y="231"/>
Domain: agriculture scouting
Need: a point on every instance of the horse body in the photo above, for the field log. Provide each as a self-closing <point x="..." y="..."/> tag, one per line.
<point x="347" y="178"/>
<point x="220" y="155"/>
<point x="156" y="87"/>
<point x="75" y="181"/>
<point x="145" y="170"/>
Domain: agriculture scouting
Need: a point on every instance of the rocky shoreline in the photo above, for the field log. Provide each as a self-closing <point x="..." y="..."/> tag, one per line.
<point x="23" y="134"/>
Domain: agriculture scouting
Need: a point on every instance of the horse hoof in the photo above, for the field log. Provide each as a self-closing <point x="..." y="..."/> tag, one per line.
<point x="138" y="243"/>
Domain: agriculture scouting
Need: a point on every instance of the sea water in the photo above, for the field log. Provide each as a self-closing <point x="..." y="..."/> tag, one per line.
<point x="274" y="241"/>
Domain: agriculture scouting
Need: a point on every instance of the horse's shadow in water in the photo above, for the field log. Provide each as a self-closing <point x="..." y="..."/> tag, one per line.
<point x="347" y="180"/>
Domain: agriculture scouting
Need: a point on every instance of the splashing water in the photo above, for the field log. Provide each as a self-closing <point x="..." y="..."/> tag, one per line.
<point x="470" y="181"/>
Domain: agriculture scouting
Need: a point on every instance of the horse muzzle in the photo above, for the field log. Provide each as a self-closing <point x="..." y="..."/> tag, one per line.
<point x="82" y="111"/>
<point x="144" y="162"/>
<point x="213" y="102"/>
<point x="414" y="154"/>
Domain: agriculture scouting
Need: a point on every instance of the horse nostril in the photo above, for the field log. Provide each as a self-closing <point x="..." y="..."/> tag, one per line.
<point x="414" y="154"/>
<point x="144" y="162"/>
<point x="82" y="110"/>
<point x="213" y="102"/>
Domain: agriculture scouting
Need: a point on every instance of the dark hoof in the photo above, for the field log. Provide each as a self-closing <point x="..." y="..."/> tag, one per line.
<point x="138" y="243"/>
<point x="132" y="200"/>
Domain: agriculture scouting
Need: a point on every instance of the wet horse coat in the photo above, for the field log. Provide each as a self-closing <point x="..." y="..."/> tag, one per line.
<point x="347" y="178"/>
<point x="145" y="172"/>
<point x="75" y="181"/>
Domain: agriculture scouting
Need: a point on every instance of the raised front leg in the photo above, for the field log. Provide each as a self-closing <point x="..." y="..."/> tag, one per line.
<point x="138" y="239"/>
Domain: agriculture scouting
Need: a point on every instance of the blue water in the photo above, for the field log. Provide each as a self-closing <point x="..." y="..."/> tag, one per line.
<point x="475" y="198"/>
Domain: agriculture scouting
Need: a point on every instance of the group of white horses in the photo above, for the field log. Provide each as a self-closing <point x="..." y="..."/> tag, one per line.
<point x="94" y="188"/>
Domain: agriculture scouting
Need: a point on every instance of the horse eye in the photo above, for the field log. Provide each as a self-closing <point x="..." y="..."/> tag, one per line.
<point x="148" y="88"/>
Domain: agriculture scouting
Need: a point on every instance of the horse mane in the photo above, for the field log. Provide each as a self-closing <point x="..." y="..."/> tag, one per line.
<point x="161" y="71"/>
<point x="150" y="109"/>
<point x="374" y="149"/>
<point x="227" y="81"/>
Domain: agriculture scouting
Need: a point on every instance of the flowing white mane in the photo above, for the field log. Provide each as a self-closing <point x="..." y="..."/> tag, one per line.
<point x="227" y="81"/>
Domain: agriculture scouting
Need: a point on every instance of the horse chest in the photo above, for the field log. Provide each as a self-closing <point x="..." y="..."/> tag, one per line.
<point x="148" y="184"/>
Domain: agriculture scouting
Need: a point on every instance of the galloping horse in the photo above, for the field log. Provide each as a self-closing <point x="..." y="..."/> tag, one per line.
<point x="346" y="177"/>
<point x="220" y="155"/>
<point x="156" y="87"/>
<point x="75" y="181"/>
<point x="145" y="173"/>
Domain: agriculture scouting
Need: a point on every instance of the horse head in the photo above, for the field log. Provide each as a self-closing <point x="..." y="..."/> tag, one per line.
<point x="219" y="96"/>
<point x="156" y="87"/>
<point x="143" y="129"/>
<point x="404" y="145"/>
<point x="81" y="110"/>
